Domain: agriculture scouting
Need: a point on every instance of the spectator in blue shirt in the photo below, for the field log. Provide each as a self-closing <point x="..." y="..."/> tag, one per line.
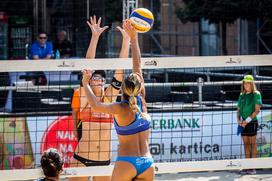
<point x="41" y="49"/>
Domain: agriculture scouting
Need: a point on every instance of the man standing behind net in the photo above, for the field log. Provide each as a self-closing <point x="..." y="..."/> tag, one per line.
<point x="94" y="129"/>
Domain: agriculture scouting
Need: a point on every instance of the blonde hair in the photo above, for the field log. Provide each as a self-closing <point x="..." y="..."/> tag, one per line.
<point x="131" y="88"/>
<point x="253" y="87"/>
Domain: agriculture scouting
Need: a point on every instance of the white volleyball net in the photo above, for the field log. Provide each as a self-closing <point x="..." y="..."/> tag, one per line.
<point x="192" y="102"/>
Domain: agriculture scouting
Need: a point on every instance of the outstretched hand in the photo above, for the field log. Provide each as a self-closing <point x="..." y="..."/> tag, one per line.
<point x="130" y="30"/>
<point x="86" y="76"/>
<point x="124" y="33"/>
<point x="95" y="26"/>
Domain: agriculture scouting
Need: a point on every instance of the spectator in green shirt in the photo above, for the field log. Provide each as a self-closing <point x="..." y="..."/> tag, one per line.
<point x="249" y="104"/>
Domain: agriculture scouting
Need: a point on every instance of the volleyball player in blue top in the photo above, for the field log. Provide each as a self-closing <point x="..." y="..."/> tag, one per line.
<point x="132" y="123"/>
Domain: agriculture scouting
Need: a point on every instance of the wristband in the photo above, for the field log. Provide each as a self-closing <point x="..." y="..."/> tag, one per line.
<point x="248" y="119"/>
<point x="116" y="84"/>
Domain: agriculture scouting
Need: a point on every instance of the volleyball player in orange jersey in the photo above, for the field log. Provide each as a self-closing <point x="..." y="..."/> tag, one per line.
<point x="94" y="143"/>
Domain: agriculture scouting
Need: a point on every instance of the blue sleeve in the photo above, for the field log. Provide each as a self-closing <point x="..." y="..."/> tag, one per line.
<point x="34" y="50"/>
<point x="49" y="49"/>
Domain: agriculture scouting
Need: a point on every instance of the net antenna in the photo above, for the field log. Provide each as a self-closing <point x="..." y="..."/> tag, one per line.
<point x="128" y="6"/>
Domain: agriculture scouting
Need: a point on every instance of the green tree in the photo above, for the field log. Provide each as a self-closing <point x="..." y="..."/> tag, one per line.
<point x="222" y="12"/>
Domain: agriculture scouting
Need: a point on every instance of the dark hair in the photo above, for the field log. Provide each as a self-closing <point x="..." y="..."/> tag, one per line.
<point x="51" y="162"/>
<point x="100" y="72"/>
<point x="42" y="32"/>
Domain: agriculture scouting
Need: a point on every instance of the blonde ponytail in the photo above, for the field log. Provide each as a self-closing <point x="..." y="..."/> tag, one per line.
<point x="133" y="104"/>
<point x="131" y="88"/>
<point x="135" y="108"/>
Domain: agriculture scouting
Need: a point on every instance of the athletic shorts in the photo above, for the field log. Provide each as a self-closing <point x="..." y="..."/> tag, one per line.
<point x="250" y="129"/>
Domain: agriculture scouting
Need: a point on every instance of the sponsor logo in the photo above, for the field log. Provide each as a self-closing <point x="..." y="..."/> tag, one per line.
<point x="267" y="125"/>
<point x="69" y="172"/>
<point x="196" y="148"/>
<point x="151" y="63"/>
<point x="233" y="60"/>
<point x="60" y="135"/>
<point x="177" y="123"/>
<point x="198" y="159"/>
<point x="231" y="164"/>
<point x="156" y="148"/>
<point x="67" y="64"/>
<point x="140" y="22"/>
<point x="264" y="139"/>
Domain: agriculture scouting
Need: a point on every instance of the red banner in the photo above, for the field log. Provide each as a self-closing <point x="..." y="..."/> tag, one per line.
<point x="60" y="135"/>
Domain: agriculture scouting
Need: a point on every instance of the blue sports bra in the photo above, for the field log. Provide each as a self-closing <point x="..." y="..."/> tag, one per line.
<point x="138" y="125"/>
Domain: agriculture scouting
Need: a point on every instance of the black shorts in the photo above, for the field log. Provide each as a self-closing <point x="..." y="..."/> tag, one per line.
<point x="250" y="129"/>
<point x="89" y="163"/>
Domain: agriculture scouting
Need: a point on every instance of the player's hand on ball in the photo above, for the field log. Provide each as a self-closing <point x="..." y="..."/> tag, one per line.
<point x="124" y="33"/>
<point x="131" y="31"/>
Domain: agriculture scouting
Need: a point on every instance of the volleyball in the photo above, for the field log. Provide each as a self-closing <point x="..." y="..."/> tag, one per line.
<point x="142" y="19"/>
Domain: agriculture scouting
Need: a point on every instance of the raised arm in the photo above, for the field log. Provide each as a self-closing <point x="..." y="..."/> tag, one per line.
<point x="136" y="54"/>
<point x="97" y="106"/>
<point x="75" y="110"/>
<point x="114" y="88"/>
<point x="96" y="32"/>
<point x="124" y="50"/>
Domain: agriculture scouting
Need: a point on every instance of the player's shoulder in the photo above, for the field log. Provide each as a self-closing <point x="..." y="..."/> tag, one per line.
<point x="257" y="92"/>
<point x="34" y="44"/>
<point x="76" y="91"/>
<point x="49" y="43"/>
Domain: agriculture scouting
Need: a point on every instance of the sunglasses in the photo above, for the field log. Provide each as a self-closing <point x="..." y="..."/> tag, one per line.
<point x="98" y="78"/>
<point x="42" y="38"/>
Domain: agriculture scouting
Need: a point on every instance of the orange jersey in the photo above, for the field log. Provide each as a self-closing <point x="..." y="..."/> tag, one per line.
<point x="84" y="113"/>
